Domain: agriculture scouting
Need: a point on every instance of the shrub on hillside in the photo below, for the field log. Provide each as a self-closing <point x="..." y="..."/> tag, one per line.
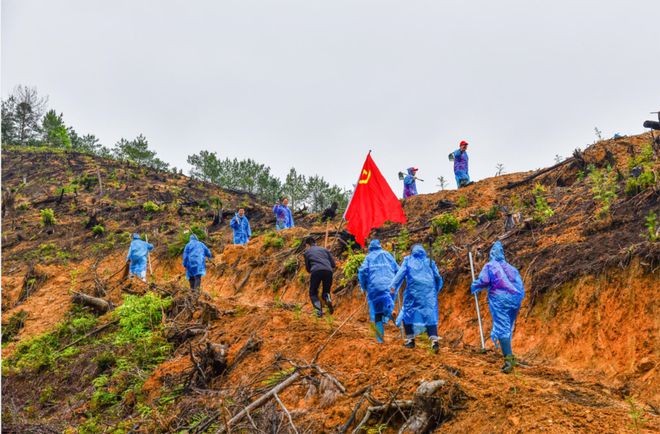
<point x="445" y="223"/>
<point x="98" y="230"/>
<point x="47" y="217"/>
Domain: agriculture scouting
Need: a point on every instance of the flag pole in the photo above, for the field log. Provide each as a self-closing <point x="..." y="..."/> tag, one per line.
<point x="476" y="302"/>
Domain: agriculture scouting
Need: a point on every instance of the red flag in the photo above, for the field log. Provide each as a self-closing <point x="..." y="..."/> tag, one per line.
<point x="373" y="203"/>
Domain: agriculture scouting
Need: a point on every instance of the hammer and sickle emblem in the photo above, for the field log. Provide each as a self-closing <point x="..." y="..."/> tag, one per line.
<point x="368" y="177"/>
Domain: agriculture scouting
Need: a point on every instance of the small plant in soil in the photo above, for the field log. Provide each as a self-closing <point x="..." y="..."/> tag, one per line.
<point x="445" y="223"/>
<point x="652" y="229"/>
<point x="604" y="189"/>
<point x="150" y="207"/>
<point x="290" y="266"/>
<point x="462" y="201"/>
<point x="98" y="230"/>
<point x="47" y="217"/>
<point x="272" y="239"/>
<point x="636" y="414"/>
<point x="441" y="245"/>
<point x="402" y="244"/>
<point x="542" y="210"/>
<point x="13" y="326"/>
<point x="351" y="266"/>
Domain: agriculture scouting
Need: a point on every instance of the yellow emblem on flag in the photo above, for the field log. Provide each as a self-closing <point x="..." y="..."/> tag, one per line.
<point x="365" y="180"/>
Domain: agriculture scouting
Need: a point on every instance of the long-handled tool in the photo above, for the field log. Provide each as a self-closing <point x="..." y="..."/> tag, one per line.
<point x="151" y="271"/>
<point x="476" y="302"/>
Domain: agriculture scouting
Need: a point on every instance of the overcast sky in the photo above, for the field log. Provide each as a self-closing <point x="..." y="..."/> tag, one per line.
<point x="316" y="84"/>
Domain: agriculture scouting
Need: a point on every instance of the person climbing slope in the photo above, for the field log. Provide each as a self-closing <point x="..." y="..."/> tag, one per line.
<point x="460" y="159"/>
<point x="375" y="275"/>
<point x="241" y="227"/>
<point x="283" y="216"/>
<point x="410" y="183"/>
<point x="505" y="295"/>
<point x="320" y="264"/>
<point x="420" y="298"/>
<point x="137" y="256"/>
<point x="194" y="260"/>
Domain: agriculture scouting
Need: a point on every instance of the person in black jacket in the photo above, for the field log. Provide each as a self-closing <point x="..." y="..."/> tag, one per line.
<point x="320" y="264"/>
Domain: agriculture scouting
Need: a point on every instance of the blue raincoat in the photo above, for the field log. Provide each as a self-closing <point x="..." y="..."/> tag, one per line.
<point x="137" y="254"/>
<point x="194" y="257"/>
<point x="375" y="275"/>
<point x="461" y="167"/>
<point x="505" y="292"/>
<point x="409" y="184"/>
<point x="423" y="283"/>
<point x="241" y="227"/>
<point x="283" y="217"/>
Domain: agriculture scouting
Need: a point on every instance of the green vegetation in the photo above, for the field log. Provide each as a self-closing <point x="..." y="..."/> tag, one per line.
<point x="445" y="223"/>
<point x="542" y="210"/>
<point x="291" y="266"/>
<point x="13" y="326"/>
<point x="652" y="230"/>
<point x="278" y="377"/>
<point x="296" y="243"/>
<point x="462" y="202"/>
<point x="98" y="230"/>
<point x="402" y="244"/>
<point x="441" y="245"/>
<point x="47" y="217"/>
<point x="604" y="189"/>
<point x="150" y="207"/>
<point x="272" y="239"/>
<point x="176" y="248"/>
<point x="493" y="213"/>
<point x="352" y="264"/>
<point x="636" y="414"/>
<point x="647" y="176"/>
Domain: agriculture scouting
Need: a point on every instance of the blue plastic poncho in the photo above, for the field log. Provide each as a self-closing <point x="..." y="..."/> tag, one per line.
<point x="409" y="184"/>
<point x="283" y="217"/>
<point x="423" y="283"/>
<point x="194" y="257"/>
<point x="505" y="292"/>
<point x="375" y="275"/>
<point x="241" y="227"/>
<point x="137" y="254"/>
<point x="461" y="167"/>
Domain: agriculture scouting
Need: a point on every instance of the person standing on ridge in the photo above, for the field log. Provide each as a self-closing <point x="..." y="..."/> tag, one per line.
<point x="320" y="265"/>
<point x="409" y="183"/>
<point x="283" y="216"/>
<point x="137" y="256"/>
<point x="375" y="275"/>
<point x="420" y="299"/>
<point x="194" y="260"/>
<point x="241" y="227"/>
<point x="505" y="295"/>
<point x="460" y="159"/>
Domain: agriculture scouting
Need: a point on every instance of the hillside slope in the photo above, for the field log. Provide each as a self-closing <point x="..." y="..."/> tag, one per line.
<point x="588" y="331"/>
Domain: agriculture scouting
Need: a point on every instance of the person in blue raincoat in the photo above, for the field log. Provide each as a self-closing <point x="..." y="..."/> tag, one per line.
<point x="420" y="298"/>
<point x="375" y="275"/>
<point x="409" y="183"/>
<point x="283" y="216"/>
<point x="137" y="256"/>
<point x="460" y="159"/>
<point x="194" y="260"/>
<point x="505" y="295"/>
<point x="241" y="227"/>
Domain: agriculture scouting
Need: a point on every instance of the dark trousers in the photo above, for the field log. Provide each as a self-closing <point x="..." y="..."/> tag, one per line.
<point x="195" y="282"/>
<point x="315" y="280"/>
<point x="431" y="330"/>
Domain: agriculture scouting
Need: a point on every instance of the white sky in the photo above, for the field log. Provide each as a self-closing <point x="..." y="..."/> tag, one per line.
<point x="316" y="84"/>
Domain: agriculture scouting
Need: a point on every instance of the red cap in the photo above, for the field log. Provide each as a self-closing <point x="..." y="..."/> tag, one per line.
<point x="463" y="142"/>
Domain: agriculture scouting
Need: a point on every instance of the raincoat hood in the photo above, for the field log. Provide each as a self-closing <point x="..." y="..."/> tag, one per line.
<point x="412" y="170"/>
<point x="418" y="251"/>
<point x="193" y="237"/>
<point x="497" y="252"/>
<point x="374" y="245"/>
<point x="136" y="236"/>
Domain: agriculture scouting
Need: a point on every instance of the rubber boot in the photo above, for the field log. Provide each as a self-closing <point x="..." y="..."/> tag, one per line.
<point x="509" y="364"/>
<point x="409" y="343"/>
<point x="435" y="344"/>
<point x="318" y="309"/>
<point x="380" y="332"/>
<point x="328" y="303"/>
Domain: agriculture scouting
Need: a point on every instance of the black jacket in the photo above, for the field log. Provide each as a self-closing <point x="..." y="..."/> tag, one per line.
<point x="318" y="259"/>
